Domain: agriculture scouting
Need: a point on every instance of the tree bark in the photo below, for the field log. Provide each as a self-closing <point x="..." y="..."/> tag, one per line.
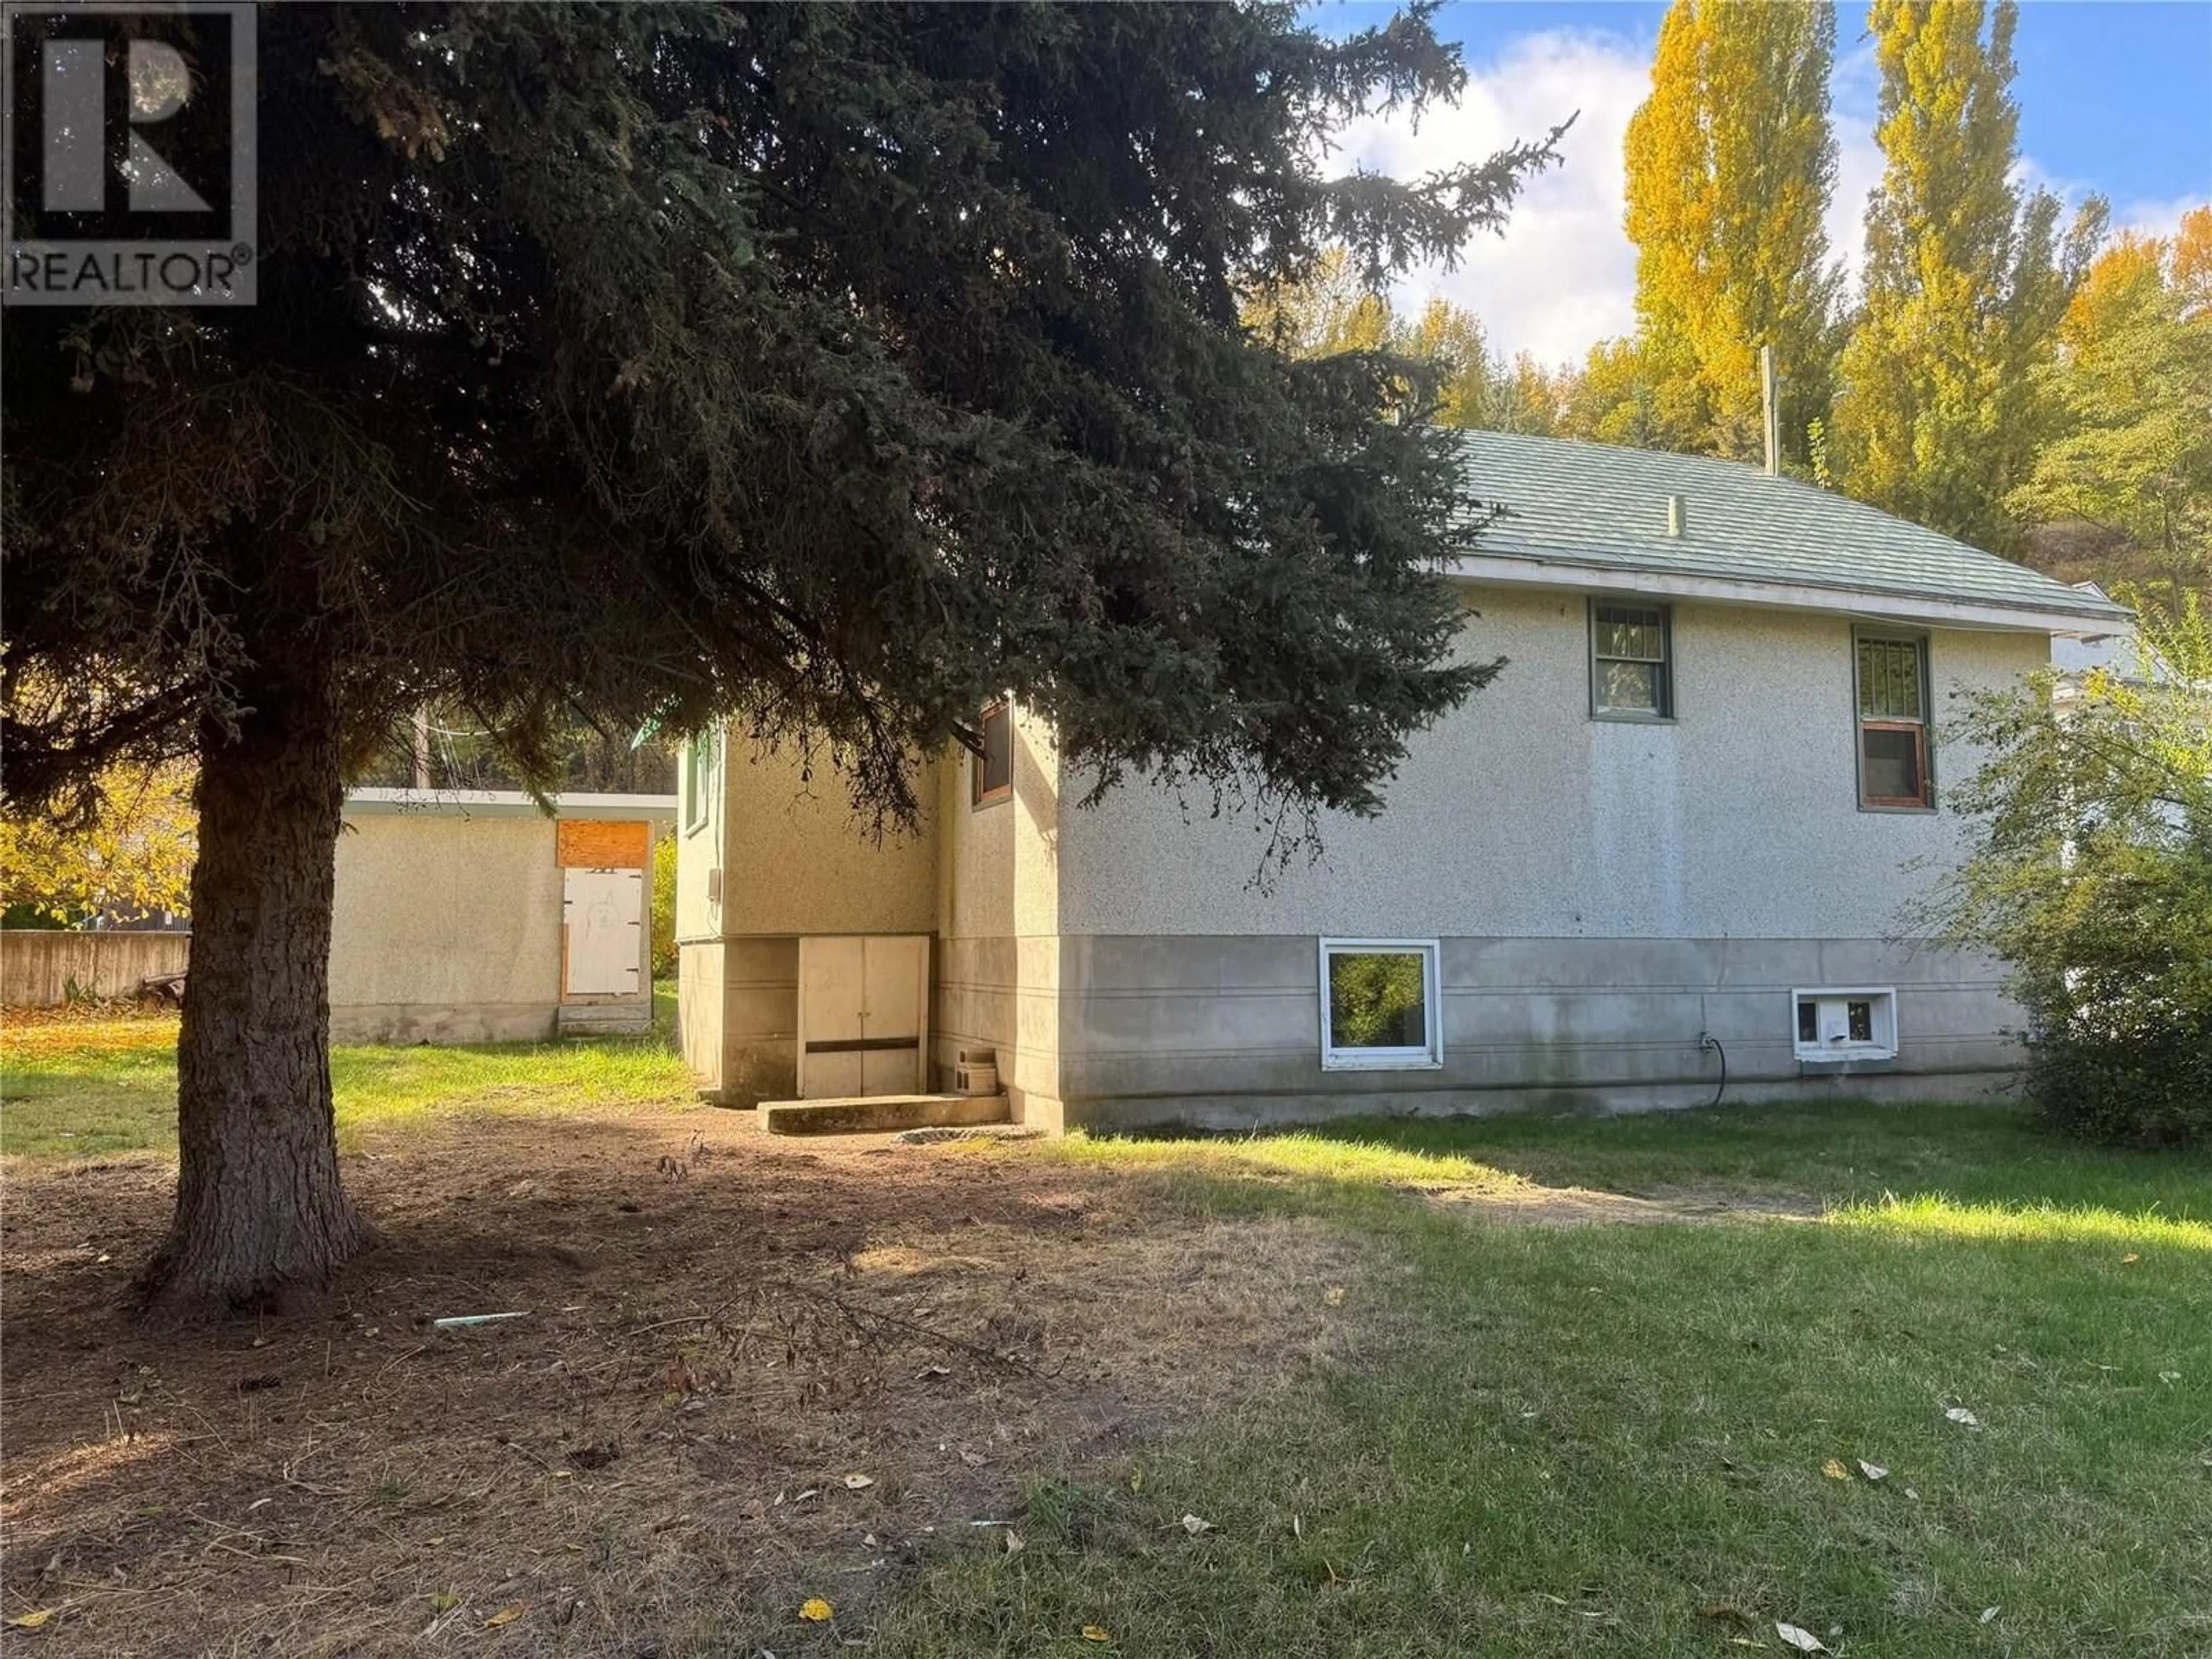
<point x="261" y="1216"/>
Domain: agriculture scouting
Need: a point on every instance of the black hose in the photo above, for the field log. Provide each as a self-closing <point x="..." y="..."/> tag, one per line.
<point x="1709" y="1040"/>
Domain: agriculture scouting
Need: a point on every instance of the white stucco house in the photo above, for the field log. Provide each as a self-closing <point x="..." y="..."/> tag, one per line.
<point x="1676" y="833"/>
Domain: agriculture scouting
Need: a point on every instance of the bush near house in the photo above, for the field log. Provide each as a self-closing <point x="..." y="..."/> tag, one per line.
<point x="2093" y="879"/>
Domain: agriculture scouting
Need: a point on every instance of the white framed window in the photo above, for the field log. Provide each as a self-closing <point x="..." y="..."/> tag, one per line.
<point x="1845" y="1023"/>
<point x="701" y="770"/>
<point x="1379" y="1007"/>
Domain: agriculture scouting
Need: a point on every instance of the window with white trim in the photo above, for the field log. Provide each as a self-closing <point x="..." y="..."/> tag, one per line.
<point x="700" y="752"/>
<point x="1891" y="676"/>
<point x="1845" y="1023"/>
<point x="1379" y="1010"/>
<point x="1632" y="661"/>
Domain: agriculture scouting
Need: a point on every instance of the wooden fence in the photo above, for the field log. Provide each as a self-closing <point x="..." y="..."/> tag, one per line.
<point x="44" y="969"/>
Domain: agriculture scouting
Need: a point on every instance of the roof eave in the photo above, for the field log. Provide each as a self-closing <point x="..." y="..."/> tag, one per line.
<point x="1506" y="570"/>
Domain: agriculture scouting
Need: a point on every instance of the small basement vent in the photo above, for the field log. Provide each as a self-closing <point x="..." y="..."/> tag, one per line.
<point x="1849" y="1022"/>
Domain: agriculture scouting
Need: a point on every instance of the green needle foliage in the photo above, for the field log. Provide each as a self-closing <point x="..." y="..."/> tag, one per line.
<point x="831" y="367"/>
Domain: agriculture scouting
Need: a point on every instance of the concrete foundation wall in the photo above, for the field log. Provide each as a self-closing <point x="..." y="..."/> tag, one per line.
<point x="446" y="928"/>
<point x="41" y="969"/>
<point x="1226" y="1030"/>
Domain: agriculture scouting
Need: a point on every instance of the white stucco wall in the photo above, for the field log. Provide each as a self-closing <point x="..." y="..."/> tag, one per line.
<point x="1520" y="816"/>
<point x="796" y="859"/>
<point x="445" y="928"/>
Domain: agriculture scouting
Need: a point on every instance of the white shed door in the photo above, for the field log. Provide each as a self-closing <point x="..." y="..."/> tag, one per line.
<point x="863" y="1014"/>
<point x="602" y="912"/>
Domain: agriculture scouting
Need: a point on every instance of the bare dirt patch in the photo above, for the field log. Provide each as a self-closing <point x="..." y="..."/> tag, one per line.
<point x="752" y="1372"/>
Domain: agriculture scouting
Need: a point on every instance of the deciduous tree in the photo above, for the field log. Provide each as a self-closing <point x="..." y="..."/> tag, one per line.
<point x="1731" y="163"/>
<point x="830" y="367"/>
<point x="1941" y="411"/>
<point x="2132" y="393"/>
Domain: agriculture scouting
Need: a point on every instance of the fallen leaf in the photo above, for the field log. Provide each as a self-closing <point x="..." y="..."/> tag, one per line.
<point x="1015" y="1543"/>
<point x="1803" y="1640"/>
<point x="973" y="1460"/>
<point x="1960" y="1414"/>
<point x="1873" y="1471"/>
<point x="1989" y="1614"/>
<point x="1723" y="1610"/>
<point x="444" y="1601"/>
<point x="2169" y="1376"/>
<point x="1913" y="1495"/>
<point x="1834" y="1470"/>
<point x="856" y="1482"/>
<point x="31" y="1620"/>
<point x="1334" y="1296"/>
<point x="2130" y="1259"/>
<point x="1136" y="1481"/>
<point x="1095" y="1633"/>
<point x="1193" y="1526"/>
<point x="815" y="1610"/>
<point x="929" y="1371"/>
<point x="504" y="1616"/>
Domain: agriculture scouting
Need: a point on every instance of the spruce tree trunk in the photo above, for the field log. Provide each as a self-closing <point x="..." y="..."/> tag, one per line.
<point x="260" y="1213"/>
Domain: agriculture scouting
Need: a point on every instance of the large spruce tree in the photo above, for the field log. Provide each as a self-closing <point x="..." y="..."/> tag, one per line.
<point x="1730" y="165"/>
<point x="829" y="367"/>
<point x="1941" y="411"/>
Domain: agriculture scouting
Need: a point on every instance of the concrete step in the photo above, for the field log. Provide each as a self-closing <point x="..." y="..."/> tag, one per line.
<point x="858" y="1115"/>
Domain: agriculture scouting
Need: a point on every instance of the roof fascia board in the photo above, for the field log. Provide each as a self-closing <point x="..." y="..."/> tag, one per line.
<point x="505" y="803"/>
<point x="1506" y="572"/>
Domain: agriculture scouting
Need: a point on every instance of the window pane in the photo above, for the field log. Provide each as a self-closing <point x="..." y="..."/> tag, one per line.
<point x="1889" y="680"/>
<point x="1628" y="685"/>
<point x="1890" y="766"/>
<point x="1861" y="1015"/>
<point x="994" y="769"/>
<point x="1808" y="1021"/>
<point x="1623" y="632"/>
<point x="1377" y="999"/>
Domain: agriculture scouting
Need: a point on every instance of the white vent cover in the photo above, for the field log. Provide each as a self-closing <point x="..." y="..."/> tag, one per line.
<point x="1839" y="1024"/>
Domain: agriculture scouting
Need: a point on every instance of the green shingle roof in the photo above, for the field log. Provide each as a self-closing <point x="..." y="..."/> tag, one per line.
<point x="1598" y="506"/>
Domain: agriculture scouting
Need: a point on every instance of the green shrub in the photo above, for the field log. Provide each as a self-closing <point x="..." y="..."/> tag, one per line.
<point x="664" y="908"/>
<point x="2090" y="875"/>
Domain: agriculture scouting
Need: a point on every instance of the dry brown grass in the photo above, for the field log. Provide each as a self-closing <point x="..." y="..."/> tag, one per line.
<point x="721" y="1330"/>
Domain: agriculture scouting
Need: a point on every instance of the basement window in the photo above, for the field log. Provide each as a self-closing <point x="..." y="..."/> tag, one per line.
<point x="991" y="774"/>
<point x="1893" y="702"/>
<point x="1847" y="1023"/>
<point x="1379" y="1006"/>
<point x="1632" y="661"/>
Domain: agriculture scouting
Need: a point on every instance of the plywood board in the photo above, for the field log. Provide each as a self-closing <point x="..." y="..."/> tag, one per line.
<point x="601" y="843"/>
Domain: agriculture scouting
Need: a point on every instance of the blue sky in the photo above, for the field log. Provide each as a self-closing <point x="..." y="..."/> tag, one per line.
<point x="2115" y="97"/>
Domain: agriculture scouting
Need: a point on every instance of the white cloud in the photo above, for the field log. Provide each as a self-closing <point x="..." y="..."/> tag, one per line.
<point x="1564" y="273"/>
<point x="2154" y="218"/>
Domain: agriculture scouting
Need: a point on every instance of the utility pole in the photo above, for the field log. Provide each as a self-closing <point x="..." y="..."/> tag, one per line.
<point x="1770" y="417"/>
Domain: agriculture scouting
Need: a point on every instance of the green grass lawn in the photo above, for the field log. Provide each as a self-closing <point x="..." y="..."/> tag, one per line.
<point x="1638" y="1438"/>
<point x="110" y="1086"/>
<point x="1613" y="1438"/>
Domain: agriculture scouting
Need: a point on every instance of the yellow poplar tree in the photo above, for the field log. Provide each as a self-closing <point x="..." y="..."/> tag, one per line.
<point x="1730" y="164"/>
<point x="1941" y="411"/>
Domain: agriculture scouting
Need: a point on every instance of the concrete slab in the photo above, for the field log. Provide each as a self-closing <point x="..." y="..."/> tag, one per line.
<point x="863" y="1114"/>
